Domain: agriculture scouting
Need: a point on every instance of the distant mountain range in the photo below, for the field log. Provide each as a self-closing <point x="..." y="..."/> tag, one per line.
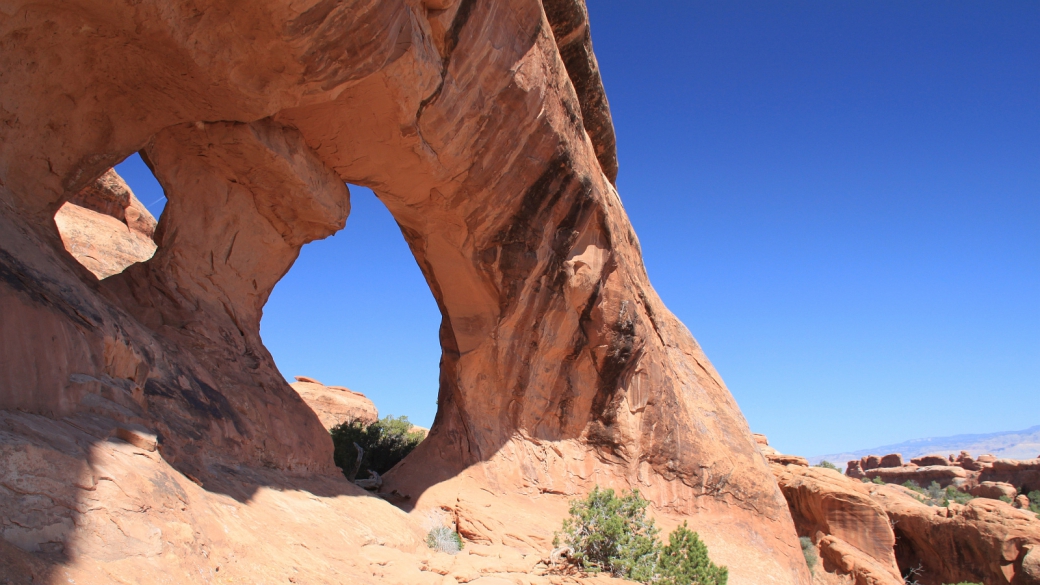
<point x="1010" y="445"/>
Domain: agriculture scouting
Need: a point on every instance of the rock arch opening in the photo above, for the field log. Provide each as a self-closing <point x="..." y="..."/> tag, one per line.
<point x="354" y="310"/>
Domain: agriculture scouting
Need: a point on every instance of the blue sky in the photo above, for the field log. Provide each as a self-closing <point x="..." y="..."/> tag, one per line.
<point x="840" y="199"/>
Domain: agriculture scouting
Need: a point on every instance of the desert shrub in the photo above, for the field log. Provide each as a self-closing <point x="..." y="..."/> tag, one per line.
<point x="440" y="535"/>
<point x="877" y="479"/>
<point x="1006" y="499"/>
<point x="384" y="442"/>
<point x="444" y="539"/>
<point x="809" y="551"/>
<point x="828" y="465"/>
<point x="1034" y="502"/>
<point x="954" y="495"/>
<point x="611" y="533"/>
<point x="684" y="561"/>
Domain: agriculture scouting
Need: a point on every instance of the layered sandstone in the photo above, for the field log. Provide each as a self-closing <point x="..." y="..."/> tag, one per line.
<point x="484" y="128"/>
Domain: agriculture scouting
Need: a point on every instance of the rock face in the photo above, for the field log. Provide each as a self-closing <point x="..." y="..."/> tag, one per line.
<point x="1021" y="473"/>
<point x="105" y="227"/>
<point x="963" y="471"/>
<point x="944" y="475"/>
<point x="851" y="530"/>
<point x="994" y="490"/>
<point x="484" y="129"/>
<point x="983" y="541"/>
<point x="335" y="404"/>
<point x="873" y="533"/>
<point x="929" y="460"/>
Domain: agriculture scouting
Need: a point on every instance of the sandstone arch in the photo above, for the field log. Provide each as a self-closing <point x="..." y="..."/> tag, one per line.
<point x="484" y="129"/>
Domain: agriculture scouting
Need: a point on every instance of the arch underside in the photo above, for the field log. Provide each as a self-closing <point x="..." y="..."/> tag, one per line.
<point x="484" y="130"/>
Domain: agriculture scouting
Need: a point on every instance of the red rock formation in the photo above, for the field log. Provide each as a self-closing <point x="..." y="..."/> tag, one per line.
<point x="984" y="541"/>
<point x="864" y="530"/>
<point x="335" y="404"/>
<point x="870" y="462"/>
<point x="854" y="469"/>
<point x="1021" y="473"/>
<point x="892" y="460"/>
<point x="922" y="476"/>
<point x="105" y="227"/>
<point x="483" y="128"/>
<point x="994" y="490"/>
<point x="929" y="460"/>
<point x="851" y="530"/>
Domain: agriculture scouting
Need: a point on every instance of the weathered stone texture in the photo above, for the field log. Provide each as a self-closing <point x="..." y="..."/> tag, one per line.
<point x="484" y="129"/>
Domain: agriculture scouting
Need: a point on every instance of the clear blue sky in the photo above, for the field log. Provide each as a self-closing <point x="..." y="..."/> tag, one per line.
<point x="840" y="199"/>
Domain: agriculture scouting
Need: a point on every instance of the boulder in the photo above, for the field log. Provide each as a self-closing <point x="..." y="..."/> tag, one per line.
<point x="870" y="462"/>
<point x="994" y="490"/>
<point x="891" y="460"/>
<point x="335" y="404"/>
<point x="1024" y="474"/>
<point x="105" y="228"/>
<point x="930" y="460"/>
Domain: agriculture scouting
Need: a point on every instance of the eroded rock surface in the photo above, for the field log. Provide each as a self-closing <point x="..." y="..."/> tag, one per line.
<point x="335" y="404"/>
<point x="871" y="533"/>
<point x="484" y="128"/>
<point x="105" y="227"/>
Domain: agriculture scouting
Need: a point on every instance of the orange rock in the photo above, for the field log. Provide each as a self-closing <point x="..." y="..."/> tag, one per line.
<point x="994" y="490"/>
<point x="929" y="460"/>
<point x="985" y="540"/>
<point x="854" y="469"/>
<point x="105" y="227"/>
<point x="870" y="462"/>
<point x="1024" y="474"/>
<point x="335" y="404"/>
<point x="484" y="129"/>
<point x="850" y="528"/>
<point x="857" y="527"/>
<point x="892" y="460"/>
<point x="945" y="475"/>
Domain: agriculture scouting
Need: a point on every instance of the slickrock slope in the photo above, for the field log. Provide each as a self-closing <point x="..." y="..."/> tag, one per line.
<point x="484" y="129"/>
<point x="105" y="227"/>
<point x="335" y="404"/>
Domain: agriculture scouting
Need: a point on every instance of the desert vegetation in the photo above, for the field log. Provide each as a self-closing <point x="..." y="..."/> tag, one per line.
<point x="936" y="495"/>
<point x="610" y="533"/>
<point x="828" y="465"/>
<point x="382" y="444"/>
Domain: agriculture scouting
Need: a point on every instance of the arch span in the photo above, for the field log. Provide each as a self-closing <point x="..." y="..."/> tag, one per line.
<point x="484" y="129"/>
